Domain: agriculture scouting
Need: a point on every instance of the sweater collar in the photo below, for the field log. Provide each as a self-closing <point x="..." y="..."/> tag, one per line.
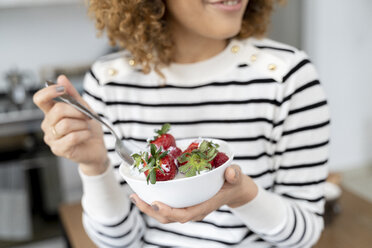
<point x="211" y="69"/>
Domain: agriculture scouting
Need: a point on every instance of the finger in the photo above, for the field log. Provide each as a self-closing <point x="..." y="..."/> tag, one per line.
<point x="60" y="111"/>
<point x="233" y="174"/>
<point x="65" y="146"/>
<point x="44" y="97"/>
<point x="69" y="125"/>
<point x="142" y="205"/>
<point x="167" y="212"/>
<point x="71" y="90"/>
<point x="147" y="209"/>
<point x="182" y="215"/>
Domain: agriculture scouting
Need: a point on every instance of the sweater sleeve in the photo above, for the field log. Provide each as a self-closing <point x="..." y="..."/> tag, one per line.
<point x="290" y="214"/>
<point x="110" y="219"/>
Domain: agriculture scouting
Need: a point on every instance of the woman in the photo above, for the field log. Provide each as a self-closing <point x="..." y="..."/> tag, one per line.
<point x="203" y="66"/>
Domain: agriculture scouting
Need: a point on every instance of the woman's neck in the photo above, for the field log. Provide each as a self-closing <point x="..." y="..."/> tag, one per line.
<point x="191" y="48"/>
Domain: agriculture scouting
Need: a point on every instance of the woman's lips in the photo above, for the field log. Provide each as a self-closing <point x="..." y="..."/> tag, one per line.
<point x="228" y="5"/>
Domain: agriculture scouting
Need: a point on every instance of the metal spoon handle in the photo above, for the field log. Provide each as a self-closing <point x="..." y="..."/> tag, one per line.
<point x="120" y="148"/>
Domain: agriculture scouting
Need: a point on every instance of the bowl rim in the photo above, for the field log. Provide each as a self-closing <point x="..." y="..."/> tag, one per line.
<point x="231" y="157"/>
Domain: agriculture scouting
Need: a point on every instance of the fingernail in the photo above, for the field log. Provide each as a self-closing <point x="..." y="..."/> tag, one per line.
<point x="237" y="172"/>
<point x="155" y="207"/>
<point x="133" y="200"/>
<point x="60" y="89"/>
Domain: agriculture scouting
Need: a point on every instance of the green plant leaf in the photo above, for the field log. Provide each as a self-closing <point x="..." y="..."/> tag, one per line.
<point x="165" y="128"/>
<point x="152" y="176"/>
<point x="148" y="178"/>
<point x="203" y="146"/>
<point x="151" y="163"/>
<point x="191" y="172"/>
<point x="184" y="168"/>
<point x="153" y="150"/>
<point x="163" y="154"/>
<point x="137" y="159"/>
<point x="184" y="157"/>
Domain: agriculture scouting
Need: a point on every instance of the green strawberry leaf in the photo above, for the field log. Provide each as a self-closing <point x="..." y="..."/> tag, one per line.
<point x="137" y="159"/>
<point x="148" y="178"/>
<point x="151" y="163"/>
<point x="153" y="150"/>
<point x="145" y="156"/>
<point x="191" y="172"/>
<point x="164" y="129"/>
<point x="184" y="157"/>
<point x="198" y="160"/>
<point x="152" y="176"/>
<point x="163" y="154"/>
<point x="204" y="146"/>
<point x="184" y="168"/>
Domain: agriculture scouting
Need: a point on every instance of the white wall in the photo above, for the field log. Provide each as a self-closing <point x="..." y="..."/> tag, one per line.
<point x="56" y="35"/>
<point x="338" y="37"/>
<point x="286" y="23"/>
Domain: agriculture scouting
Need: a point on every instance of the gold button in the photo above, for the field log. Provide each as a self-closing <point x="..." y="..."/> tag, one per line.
<point x="272" y="67"/>
<point x="253" y="57"/>
<point x="235" y="49"/>
<point x="132" y="62"/>
<point x="112" y="72"/>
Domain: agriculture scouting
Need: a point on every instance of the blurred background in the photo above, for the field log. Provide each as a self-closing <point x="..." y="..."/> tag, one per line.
<point x="40" y="39"/>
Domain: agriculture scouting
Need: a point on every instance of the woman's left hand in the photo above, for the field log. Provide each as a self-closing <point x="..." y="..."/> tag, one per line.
<point x="237" y="190"/>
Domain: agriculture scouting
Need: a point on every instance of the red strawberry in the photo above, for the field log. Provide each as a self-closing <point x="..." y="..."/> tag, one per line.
<point x="194" y="145"/>
<point x="168" y="169"/>
<point x="219" y="160"/>
<point x="175" y="152"/>
<point x="163" y="139"/>
<point x="198" y="159"/>
<point x="158" y="166"/>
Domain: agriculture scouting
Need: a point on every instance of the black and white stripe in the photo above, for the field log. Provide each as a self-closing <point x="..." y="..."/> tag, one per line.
<point x="278" y="130"/>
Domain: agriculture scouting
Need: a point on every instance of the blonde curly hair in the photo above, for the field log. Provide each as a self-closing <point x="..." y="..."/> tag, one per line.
<point x="140" y="27"/>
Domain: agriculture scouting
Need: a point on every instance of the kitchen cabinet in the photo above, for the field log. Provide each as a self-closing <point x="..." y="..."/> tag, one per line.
<point x="30" y="189"/>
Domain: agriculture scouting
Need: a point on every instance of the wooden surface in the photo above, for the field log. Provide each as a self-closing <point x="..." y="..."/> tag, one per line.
<point x="71" y="215"/>
<point x="352" y="227"/>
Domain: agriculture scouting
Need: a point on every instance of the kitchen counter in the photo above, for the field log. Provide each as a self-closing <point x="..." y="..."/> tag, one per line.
<point x="70" y="215"/>
<point x="352" y="227"/>
<point x="28" y="118"/>
<point x="21" y="121"/>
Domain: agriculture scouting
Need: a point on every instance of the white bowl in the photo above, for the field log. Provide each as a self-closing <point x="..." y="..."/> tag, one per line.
<point x="180" y="192"/>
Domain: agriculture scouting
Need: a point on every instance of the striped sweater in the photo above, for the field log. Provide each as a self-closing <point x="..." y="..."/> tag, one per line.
<point x="261" y="96"/>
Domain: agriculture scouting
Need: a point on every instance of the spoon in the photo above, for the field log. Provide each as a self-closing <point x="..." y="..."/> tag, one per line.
<point x="123" y="151"/>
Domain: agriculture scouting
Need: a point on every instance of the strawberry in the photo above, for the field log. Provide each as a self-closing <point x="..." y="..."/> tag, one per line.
<point x="163" y="139"/>
<point x="167" y="170"/>
<point x="159" y="165"/>
<point x="175" y="152"/>
<point x="219" y="160"/>
<point x="198" y="160"/>
<point x="194" y="145"/>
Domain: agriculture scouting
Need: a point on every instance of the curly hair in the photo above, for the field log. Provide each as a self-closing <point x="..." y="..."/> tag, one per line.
<point x="139" y="26"/>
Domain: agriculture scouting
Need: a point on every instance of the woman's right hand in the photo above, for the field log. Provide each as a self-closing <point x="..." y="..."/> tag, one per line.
<point x="68" y="132"/>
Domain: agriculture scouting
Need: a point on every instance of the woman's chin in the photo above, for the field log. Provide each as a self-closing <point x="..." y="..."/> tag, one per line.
<point x="226" y="34"/>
